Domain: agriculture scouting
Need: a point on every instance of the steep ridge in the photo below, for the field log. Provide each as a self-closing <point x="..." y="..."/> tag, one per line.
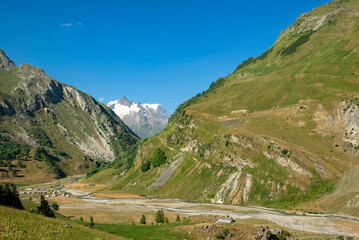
<point x="280" y="131"/>
<point x="146" y="120"/>
<point x="43" y="119"/>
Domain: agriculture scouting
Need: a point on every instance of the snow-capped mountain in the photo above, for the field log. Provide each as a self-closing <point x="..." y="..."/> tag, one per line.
<point x="146" y="120"/>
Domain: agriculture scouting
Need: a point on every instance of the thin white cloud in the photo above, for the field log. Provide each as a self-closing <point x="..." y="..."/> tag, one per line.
<point x="66" y="25"/>
<point x="70" y="24"/>
<point x="102" y="99"/>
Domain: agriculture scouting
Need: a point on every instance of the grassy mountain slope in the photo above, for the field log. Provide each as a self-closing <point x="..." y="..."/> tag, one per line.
<point x="45" y="121"/>
<point x="281" y="130"/>
<point x="19" y="224"/>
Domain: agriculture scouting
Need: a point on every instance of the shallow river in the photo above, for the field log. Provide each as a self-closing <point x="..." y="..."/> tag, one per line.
<point x="318" y="223"/>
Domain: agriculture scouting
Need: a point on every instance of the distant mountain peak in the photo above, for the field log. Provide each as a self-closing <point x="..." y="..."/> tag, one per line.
<point x="5" y="62"/>
<point x="146" y="120"/>
<point x="124" y="101"/>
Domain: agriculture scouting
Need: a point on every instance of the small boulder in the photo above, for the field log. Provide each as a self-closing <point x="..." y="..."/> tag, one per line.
<point x="67" y="225"/>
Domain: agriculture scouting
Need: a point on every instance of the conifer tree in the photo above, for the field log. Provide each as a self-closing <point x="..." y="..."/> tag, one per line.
<point x="143" y="220"/>
<point x="44" y="208"/>
<point x="92" y="224"/>
<point x="160" y="217"/>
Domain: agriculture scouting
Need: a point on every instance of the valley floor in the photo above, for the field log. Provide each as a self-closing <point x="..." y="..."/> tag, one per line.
<point x="120" y="213"/>
<point x="125" y="210"/>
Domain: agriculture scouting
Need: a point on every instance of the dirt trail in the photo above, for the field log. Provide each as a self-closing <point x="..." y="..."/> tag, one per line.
<point x="317" y="223"/>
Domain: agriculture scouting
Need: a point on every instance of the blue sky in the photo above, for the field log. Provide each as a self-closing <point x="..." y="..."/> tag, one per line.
<point x="151" y="51"/>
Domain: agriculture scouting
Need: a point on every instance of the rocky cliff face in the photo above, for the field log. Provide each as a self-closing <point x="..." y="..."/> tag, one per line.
<point x="146" y="120"/>
<point x="86" y="131"/>
<point x="5" y="62"/>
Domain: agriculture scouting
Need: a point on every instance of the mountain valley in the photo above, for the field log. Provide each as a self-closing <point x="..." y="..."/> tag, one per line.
<point x="268" y="152"/>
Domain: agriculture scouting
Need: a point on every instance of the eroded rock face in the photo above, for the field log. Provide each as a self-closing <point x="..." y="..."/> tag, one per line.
<point x="6" y="108"/>
<point x="75" y="98"/>
<point x="5" y="62"/>
<point x="351" y="120"/>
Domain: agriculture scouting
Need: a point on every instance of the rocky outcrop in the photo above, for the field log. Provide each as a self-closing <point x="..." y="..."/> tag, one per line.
<point x="6" y="108"/>
<point x="5" y="62"/>
<point x="308" y="22"/>
<point x="351" y="121"/>
<point x="264" y="233"/>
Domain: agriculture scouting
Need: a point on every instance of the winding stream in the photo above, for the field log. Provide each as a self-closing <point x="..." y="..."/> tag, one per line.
<point x="317" y="223"/>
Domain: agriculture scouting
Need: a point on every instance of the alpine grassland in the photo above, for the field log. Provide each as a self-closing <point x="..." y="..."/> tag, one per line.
<point x="20" y="224"/>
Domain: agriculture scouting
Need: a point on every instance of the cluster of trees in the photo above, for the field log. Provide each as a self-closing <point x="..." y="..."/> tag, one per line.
<point x="158" y="158"/>
<point x="9" y="196"/>
<point x="92" y="223"/>
<point x="8" y="164"/>
<point x="293" y="47"/>
<point x="40" y="137"/>
<point x="160" y="218"/>
<point x="127" y="158"/>
<point x="11" y="151"/>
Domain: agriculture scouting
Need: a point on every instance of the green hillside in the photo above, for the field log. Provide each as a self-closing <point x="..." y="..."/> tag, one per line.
<point x="19" y="224"/>
<point x="281" y="130"/>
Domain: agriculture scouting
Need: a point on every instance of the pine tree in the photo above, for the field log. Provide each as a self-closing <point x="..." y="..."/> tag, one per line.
<point x="160" y="217"/>
<point x="55" y="206"/>
<point x="92" y="224"/>
<point x="143" y="220"/>
<point x="178" y="218"/>
<point x="44" y="208"/>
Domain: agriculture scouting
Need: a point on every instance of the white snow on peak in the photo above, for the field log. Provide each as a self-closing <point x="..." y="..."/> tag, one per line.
<point x="123" y="107"/>
<point x="153" y="106"/>
<point x="122" y="110"/>
<point x="146" y="120"/>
